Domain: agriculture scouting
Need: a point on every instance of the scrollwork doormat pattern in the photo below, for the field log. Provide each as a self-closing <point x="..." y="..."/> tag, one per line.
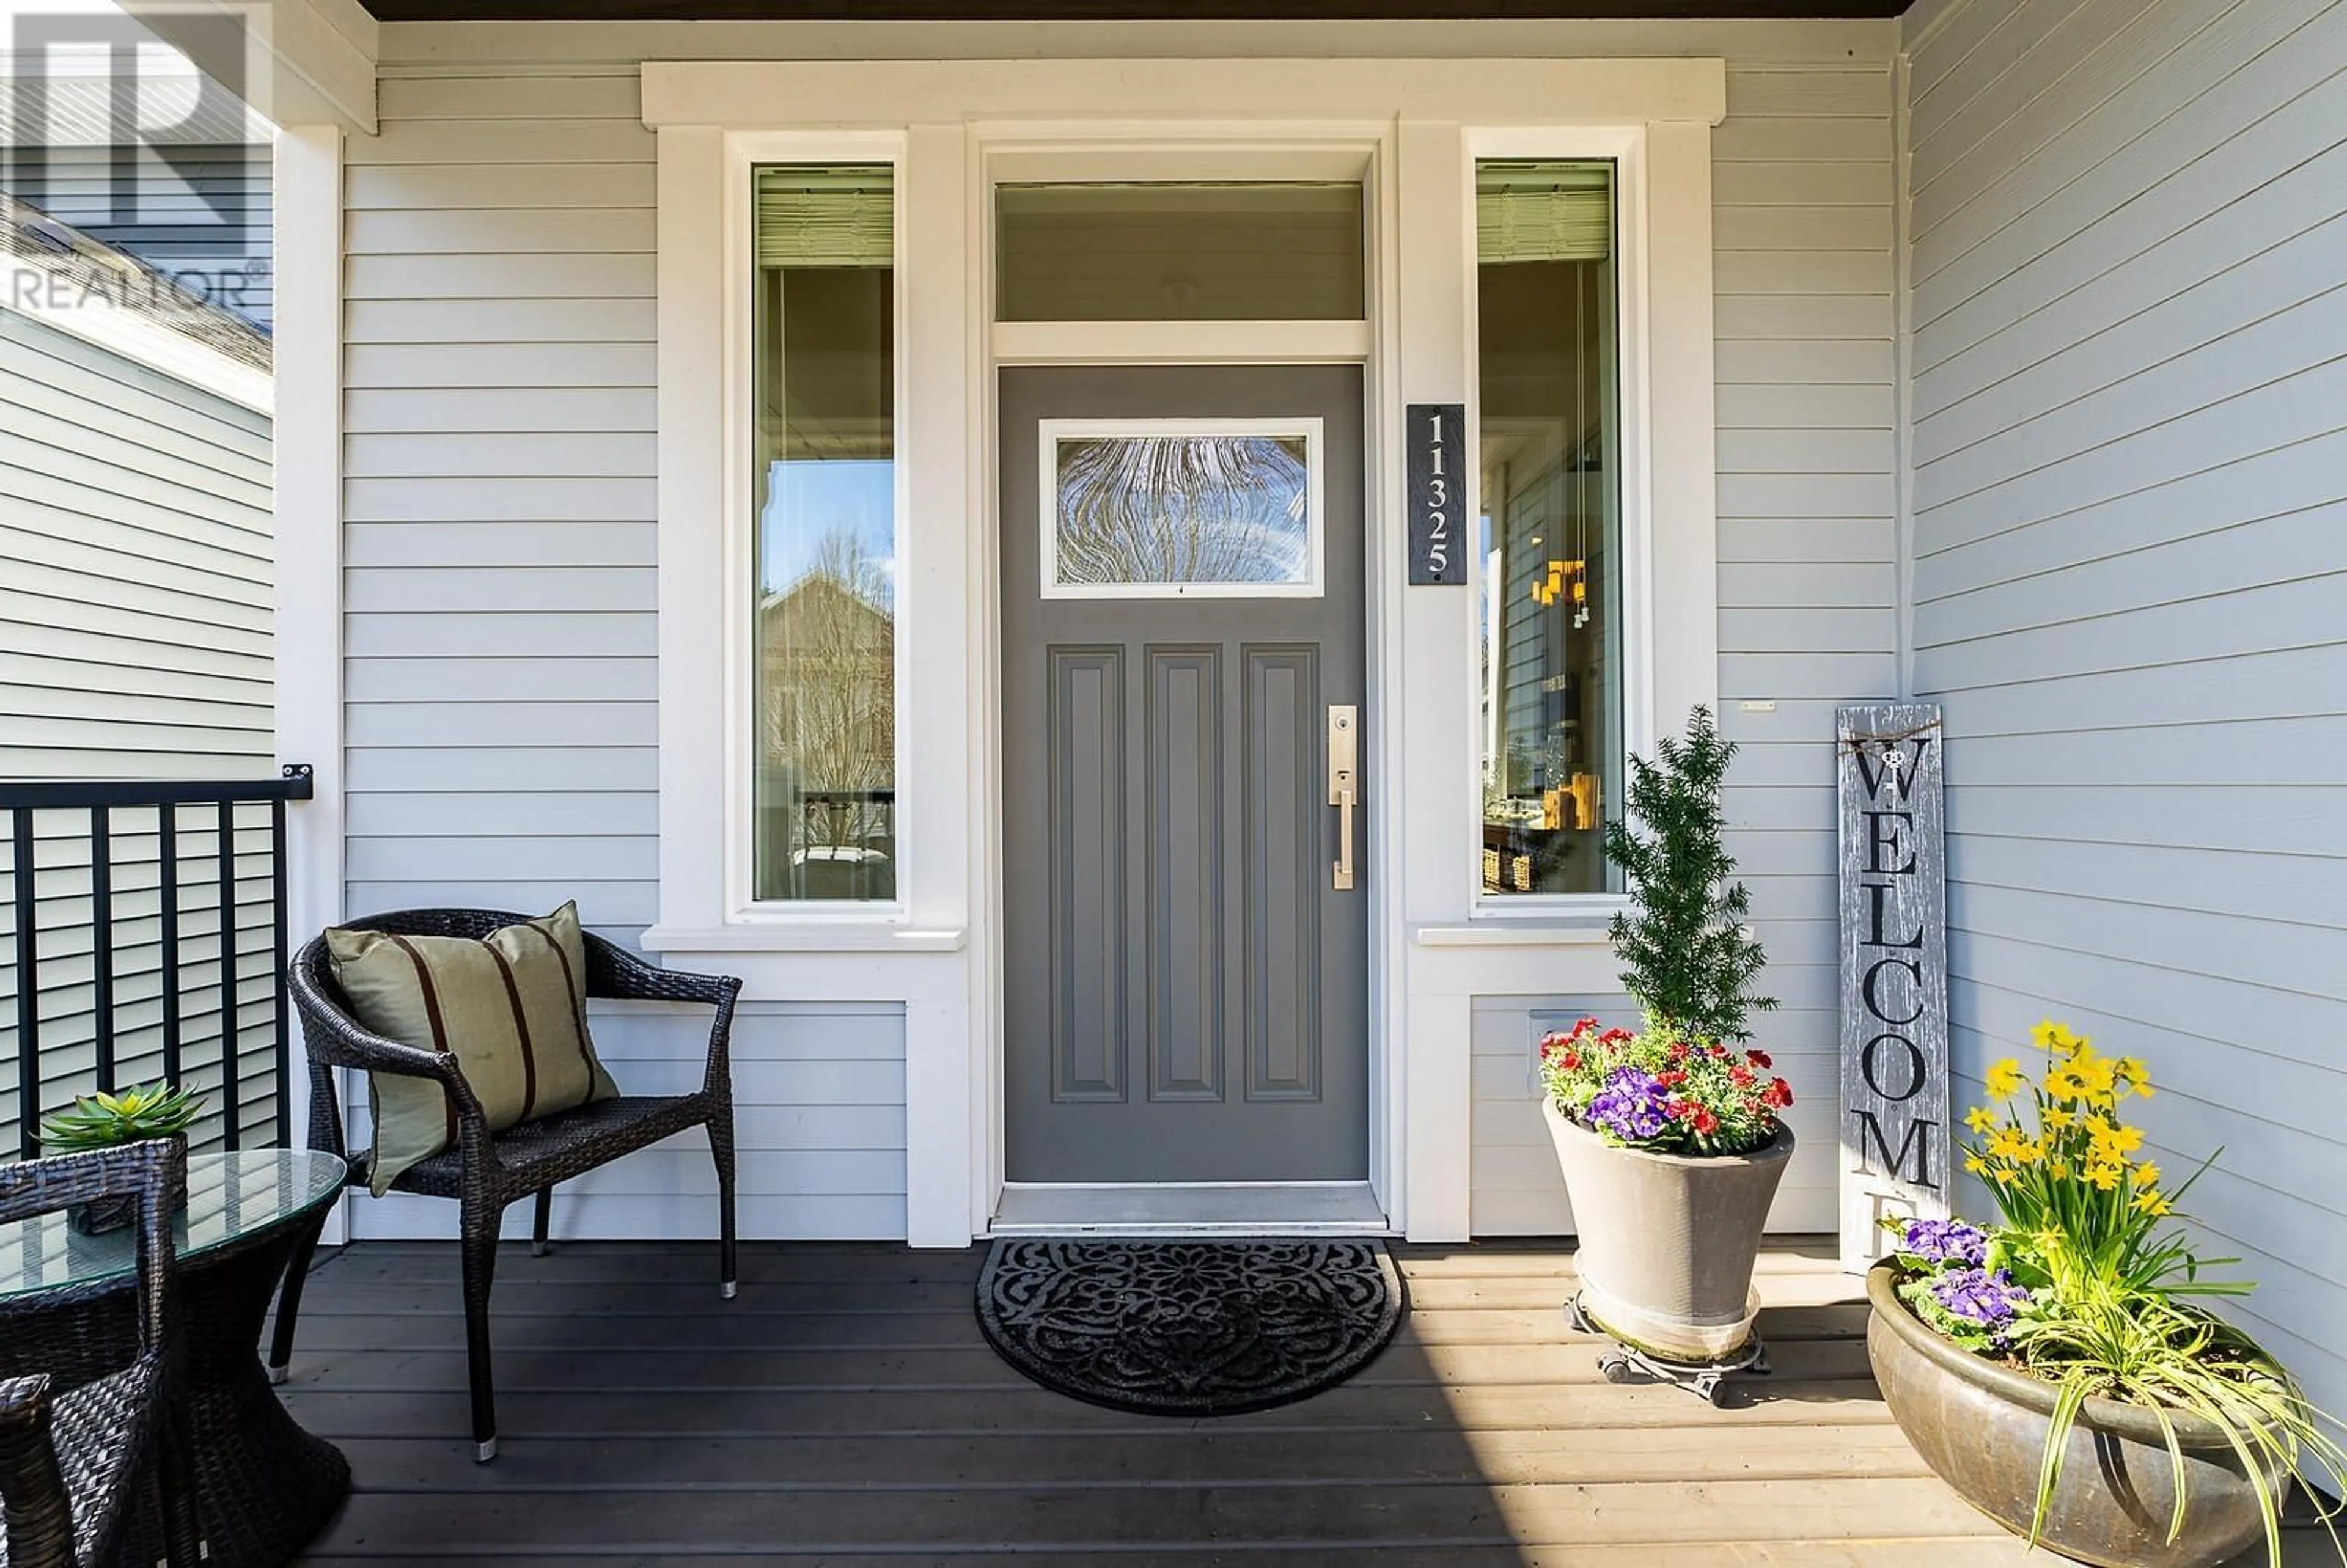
<point x="1189" y="1327"/>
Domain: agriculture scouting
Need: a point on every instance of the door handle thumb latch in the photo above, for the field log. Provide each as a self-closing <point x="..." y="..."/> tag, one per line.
<point x="1344" y="785"/>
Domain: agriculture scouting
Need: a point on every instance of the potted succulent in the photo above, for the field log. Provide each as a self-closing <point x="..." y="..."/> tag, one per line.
<point x="104" y="1120"/>
<point x="2057" y="1368"/>
<point x="1671" y="1136"/>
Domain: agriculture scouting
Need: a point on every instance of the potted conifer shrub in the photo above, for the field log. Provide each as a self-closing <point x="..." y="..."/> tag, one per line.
<point x="1671" y="1136"/>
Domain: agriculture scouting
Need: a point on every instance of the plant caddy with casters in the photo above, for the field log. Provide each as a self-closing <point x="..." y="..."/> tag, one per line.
<point x="2054" y="1367"/>
<point x="1670" y="1136"/>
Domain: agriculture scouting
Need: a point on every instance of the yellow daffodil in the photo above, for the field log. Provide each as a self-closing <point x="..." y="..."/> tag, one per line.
<point x="2101" y="1078"/>
<point x="2105" y="1175"/>
<point x="2006" y="1080"/>
<point x="2055" y="1116"/>
<point x="2146" y="1175"/>
<point x="2065" y="1083"/>
<point x="2112" y="1141"/>
<point x="2010" y="1144"/>
<point x="2048" y="1035"/>
<point x="1980" y="1119"/>
<point x="2061" y="1169"/>
<point x="1976" y="1164"/>
<point x="2151" y="1203"/>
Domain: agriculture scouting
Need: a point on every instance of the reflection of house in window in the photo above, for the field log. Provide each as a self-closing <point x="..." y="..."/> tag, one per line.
<point x="827" y="730"/>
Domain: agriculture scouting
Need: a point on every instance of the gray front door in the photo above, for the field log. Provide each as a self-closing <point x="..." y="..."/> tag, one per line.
<point x="1186" y="987"/>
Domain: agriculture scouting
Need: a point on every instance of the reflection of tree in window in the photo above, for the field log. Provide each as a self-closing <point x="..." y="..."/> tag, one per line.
<point x="827" y="707"/>
<point x="1184" y="508"/>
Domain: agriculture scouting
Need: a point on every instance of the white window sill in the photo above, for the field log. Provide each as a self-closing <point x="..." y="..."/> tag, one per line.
<point x="1585" y="931"/>
<point x="780" y="937"/>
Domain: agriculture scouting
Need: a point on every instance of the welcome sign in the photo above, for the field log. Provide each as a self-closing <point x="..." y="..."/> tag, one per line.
<point x="1895" y="1138"/>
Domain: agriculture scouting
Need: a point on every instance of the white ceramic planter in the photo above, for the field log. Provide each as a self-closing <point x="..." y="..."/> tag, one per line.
<point x="1667" y="1241"/>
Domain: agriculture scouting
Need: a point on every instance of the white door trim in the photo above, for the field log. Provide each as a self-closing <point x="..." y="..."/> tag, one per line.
<point x="1180" y="149"/>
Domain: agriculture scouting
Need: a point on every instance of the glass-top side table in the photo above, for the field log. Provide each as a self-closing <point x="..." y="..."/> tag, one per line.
<point x="69" y="1307"/>
<point x="230" y="1197"/>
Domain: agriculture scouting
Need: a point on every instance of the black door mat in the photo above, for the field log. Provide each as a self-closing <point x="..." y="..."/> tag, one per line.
<point x="1189" y="1327"/>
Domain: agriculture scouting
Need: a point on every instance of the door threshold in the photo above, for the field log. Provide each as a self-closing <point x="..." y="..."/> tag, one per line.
<point x="1189" y="1209"/>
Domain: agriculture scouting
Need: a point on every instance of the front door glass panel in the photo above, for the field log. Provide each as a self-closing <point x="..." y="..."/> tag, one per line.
<point x="1176" y="507"/>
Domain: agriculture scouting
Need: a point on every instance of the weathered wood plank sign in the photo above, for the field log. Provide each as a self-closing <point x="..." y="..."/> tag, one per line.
<point x="1895" y="1138"/>
<point x="1435" y="444"/>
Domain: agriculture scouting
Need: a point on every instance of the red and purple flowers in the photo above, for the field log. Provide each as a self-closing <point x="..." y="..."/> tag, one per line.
<point x="1656" y="1091"/>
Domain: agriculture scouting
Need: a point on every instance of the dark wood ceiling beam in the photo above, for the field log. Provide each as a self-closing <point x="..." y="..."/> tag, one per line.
<point x="1112" y="10"/>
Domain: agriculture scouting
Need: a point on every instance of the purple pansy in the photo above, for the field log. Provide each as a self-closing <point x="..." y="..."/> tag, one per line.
<point x="1979" y="1296"/>
<point x="1945" y="1242"/>
<point x="1631" y="1106"/>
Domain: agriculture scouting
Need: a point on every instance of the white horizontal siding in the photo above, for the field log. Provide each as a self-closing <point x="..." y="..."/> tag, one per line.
<point x="2130" y="549"/>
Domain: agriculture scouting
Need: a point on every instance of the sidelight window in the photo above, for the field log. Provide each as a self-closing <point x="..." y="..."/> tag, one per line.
<point x="824" y="532"/>
<point x="1551" y="619"/>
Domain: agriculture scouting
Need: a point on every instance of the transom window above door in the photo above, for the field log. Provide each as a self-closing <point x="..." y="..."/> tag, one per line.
<point x="1154" y="251"/>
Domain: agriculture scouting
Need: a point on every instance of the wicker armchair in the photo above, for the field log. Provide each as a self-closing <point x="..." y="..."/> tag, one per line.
<point x="74" y="1468"/>
<point x="486" y="1171"/>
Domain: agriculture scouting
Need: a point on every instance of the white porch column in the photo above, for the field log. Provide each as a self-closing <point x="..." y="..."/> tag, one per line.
<point x="307" y="537"/>
<point x="1435" y="795"/>
<point x="942" y="1050"/>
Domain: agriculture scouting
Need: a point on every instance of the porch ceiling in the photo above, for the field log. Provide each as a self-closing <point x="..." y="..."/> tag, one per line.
<point x="1109" y="10"/>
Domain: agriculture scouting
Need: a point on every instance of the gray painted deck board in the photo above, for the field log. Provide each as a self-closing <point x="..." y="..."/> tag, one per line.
<point x="846" y="1408"/>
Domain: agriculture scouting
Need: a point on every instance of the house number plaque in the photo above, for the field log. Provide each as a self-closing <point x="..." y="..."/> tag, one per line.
<point x="1436" y="445"/>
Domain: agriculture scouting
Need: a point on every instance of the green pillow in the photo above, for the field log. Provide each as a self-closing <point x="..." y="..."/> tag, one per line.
<point x="512" y="1007"/>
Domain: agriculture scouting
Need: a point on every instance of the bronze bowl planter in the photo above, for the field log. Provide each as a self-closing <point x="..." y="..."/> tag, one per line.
<point x="1982" y="1429"/>
<point x="1667" y="1241"/>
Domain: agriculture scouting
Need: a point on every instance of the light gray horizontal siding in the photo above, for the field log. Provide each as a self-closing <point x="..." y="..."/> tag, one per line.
<point x="2130" y="552"/>
<point x="819" y="1122"/>
<point x="135" y="606"/>
<point x="204" y="217"/>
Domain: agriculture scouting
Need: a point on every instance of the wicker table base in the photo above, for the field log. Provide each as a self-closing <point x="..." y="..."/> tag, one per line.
<point x="264" y="1487"/>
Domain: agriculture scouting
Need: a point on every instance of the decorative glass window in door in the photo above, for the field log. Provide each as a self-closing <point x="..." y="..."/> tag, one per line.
<point x="824" y="533"/>
<point x="1166" y="508"/>
<point x="1549" y="451"/>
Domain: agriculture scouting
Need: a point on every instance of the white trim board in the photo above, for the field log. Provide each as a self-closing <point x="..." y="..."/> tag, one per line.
<point x="1189" y="1208"/>
<point x="748" y="94"/>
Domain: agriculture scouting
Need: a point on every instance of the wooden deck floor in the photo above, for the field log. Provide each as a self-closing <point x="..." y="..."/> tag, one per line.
<point x="845" y="1409"/>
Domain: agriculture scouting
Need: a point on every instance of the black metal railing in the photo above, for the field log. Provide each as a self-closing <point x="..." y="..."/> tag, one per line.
<point x="148" y="940"/>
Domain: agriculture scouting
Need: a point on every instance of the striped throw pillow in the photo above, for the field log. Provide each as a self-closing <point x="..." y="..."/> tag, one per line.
<point x="512" y="1008"/>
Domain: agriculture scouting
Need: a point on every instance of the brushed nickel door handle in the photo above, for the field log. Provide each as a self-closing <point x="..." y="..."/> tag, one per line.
<point x="1344" y="785"/>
